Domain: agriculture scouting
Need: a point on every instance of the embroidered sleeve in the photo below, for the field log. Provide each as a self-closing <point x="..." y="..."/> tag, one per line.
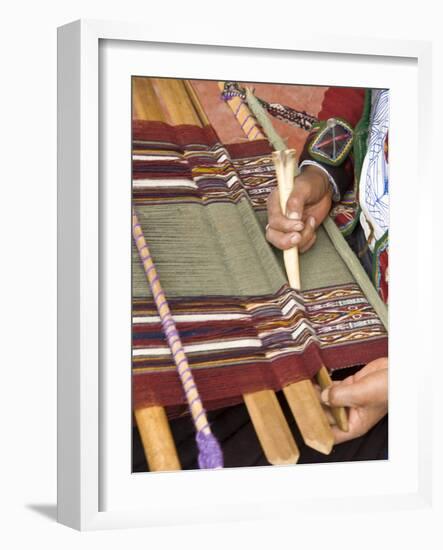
<point x="330" y="141"/>
<point x="340" y="175"/>
<point x="332" y="182"/>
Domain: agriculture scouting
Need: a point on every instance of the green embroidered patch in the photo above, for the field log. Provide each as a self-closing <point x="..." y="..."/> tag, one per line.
<point x="333" y="141"/>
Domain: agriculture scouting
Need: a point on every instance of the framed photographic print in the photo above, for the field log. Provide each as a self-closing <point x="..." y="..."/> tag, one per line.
<point x="231" y="232"/>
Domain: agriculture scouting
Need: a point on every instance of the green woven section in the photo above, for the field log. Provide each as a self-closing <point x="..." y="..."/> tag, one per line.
<point x="220" y="249"/>
<point x="217" y="249"/>
<point x="320" y="266"/>
<point x="361" y="278"/>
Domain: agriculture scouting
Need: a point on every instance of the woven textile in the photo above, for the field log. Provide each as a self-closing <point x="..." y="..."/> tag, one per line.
<point x="202" y="209"/>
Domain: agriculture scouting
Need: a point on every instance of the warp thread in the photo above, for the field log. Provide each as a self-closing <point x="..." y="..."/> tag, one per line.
<point x="210" y="453"/>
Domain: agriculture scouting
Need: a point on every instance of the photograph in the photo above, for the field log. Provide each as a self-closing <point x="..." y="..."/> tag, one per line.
<point x="260" y="275"/>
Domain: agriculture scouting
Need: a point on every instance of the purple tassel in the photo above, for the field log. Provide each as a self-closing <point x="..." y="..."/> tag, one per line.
<point x="210" y="454"/>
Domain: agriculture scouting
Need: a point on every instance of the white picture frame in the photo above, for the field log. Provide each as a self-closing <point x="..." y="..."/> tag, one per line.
<point x="95" y="487"/>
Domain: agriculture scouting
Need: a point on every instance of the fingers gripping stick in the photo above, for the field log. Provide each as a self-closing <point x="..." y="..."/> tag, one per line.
<point x="285" y="164"/>
<point x="315" y="431"/>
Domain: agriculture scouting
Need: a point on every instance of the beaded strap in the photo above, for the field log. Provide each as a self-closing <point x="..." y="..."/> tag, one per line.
<point x="232" y="91"/>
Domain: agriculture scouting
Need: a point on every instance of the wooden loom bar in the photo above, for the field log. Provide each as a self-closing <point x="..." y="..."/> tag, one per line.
<point x="195" y="100"/>
<point x="242" y="113"/>
<point x="152" y="422"/>
<point x="339" y="413"/>
<point x="178" y="108"/>
<point x="271" y="427"/>
<point x="157" y="440"/>
<point x="145" y="105"/>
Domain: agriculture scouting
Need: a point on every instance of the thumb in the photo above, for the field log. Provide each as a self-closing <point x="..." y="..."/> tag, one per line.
<point x="347" y="395"/>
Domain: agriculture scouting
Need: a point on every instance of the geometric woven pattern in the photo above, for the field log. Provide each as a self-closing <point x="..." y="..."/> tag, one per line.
<point x="332" y="142"/>
<point x="237" y="345"/>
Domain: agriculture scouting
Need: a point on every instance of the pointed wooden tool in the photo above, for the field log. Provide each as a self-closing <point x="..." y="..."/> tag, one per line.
<point x="339" y="413"/>
<point x="291" y="257"/>
<point x="271" y="427"/>
<point x="323" y="377"/>
<point x="301" y="396"/>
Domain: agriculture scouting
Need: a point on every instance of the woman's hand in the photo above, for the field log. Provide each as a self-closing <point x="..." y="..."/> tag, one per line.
<point x="307" y="206"/>
<point x="366" y="395"/>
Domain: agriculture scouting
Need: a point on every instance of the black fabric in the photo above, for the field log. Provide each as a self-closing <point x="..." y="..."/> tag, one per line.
<point x="357" y="241"/>
<point x="241" y="448"/>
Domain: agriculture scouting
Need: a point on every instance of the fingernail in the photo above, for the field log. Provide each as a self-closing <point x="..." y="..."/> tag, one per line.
<point x="293" y="215"/>
<point x="295" y="238"/>
<point x="312" y="222"/>
<point x="325" y="396"/>
<point x="299" y="226"/>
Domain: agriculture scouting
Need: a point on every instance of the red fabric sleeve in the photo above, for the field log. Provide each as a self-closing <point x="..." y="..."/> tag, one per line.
<point x="346" y="103"/>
